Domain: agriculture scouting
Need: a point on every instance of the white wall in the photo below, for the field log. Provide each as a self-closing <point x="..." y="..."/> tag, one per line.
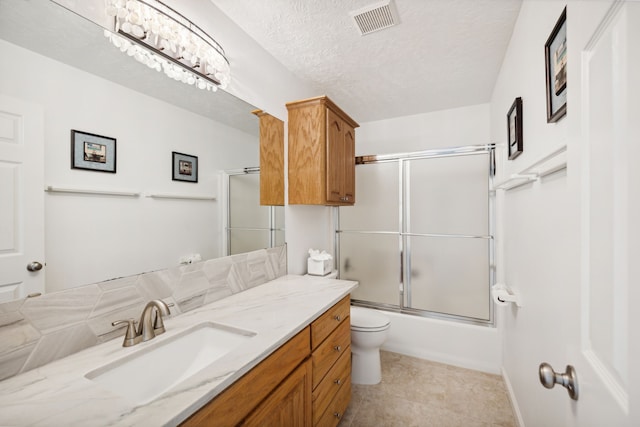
<point x="91" y="238"/>
<point x="447" y="128"/>
<point x="538" y="236"/>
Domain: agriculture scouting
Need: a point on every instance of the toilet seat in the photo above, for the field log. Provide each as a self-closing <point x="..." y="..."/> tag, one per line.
<point x="365" y="320"/>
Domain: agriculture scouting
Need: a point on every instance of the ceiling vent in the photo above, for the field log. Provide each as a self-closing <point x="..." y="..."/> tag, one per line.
<point x="375" y="17"/>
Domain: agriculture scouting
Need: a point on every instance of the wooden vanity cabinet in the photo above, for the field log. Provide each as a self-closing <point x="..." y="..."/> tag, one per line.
<point x="305" y="382"/>
<point x="289" y="404"/>
<point x="271" y="159"/>
<point x="331" y="362"/>
<point x="321" y="153"/>
<point x="279" y="387"/>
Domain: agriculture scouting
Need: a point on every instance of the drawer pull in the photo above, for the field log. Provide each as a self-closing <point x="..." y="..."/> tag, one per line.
<point x="338" y="415"/>
<point x="338" y="381"/>
<point x="337" y="348"/>
<point x="337" y="317"/>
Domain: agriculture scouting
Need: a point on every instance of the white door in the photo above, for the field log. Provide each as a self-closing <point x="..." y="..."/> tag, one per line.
<point x="604" y="349"/>
<point x="21" y="198"/>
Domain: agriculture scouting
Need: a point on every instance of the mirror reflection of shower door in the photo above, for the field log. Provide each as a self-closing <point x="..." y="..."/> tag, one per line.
<point x="251" y="226"/>
<point x="447" y="229"/>
<point x="370" y="243"/>
<point x="426" y="215"/>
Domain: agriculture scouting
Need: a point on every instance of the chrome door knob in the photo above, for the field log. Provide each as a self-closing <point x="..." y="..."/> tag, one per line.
<point x="34" y="266"/>
<point x="569" y="379"/>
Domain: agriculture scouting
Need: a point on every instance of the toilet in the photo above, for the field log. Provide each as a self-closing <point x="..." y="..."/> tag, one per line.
<point x="369" y="329"/>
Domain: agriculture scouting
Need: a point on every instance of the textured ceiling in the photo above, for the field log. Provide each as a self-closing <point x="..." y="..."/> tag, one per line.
<point x="443" y="54"/>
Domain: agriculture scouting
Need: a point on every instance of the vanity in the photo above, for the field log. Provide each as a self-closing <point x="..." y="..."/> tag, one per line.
<point x="290" y="362"/>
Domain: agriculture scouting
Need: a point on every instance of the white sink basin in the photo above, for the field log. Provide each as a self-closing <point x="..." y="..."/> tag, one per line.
<point x="156" y="368"/>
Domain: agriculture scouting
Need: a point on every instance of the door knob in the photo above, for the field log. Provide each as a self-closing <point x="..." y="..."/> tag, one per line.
<point x="569" y="379"/>
<point x="34" y="266"/>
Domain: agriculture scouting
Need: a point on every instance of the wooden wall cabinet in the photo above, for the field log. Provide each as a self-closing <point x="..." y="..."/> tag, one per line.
<point x="294" y="386"/>
<point x="321" y="153"/>
<point x="271" y="159"/>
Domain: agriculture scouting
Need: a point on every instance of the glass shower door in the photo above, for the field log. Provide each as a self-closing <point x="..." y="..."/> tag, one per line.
<point x="369" y="240"/>
<point x="419" y="238"/>
<point x="250" y="225"/>
<point x="447" y="235"/>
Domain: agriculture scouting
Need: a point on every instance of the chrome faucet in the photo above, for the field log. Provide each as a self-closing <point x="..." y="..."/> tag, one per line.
<point x="151" y="323"/>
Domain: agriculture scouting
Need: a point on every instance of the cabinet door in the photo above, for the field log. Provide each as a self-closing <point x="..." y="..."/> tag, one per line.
<point x="271" y="159"/>
<point x="243" y="396"/>
<point x="335" y="158"/>
<point x="289" y="404"/>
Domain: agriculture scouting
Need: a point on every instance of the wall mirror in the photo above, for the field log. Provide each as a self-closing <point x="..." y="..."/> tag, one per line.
<point x="63" y="63"/>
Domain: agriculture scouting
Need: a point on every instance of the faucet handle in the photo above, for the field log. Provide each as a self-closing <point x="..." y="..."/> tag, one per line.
<point x="131" y="337"/>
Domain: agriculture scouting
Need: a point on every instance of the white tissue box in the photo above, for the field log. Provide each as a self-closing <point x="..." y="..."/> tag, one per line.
<point x="319" y="267"/>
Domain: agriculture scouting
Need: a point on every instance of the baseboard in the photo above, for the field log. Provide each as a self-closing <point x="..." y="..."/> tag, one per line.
<point x="512" y="399"/>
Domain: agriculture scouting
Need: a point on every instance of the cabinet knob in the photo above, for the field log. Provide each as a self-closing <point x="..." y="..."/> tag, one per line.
<point x="337" y="317"/>
<point x="338" y="381"/>
<point x="338" y="415"/>
<point x="337" y="348"/>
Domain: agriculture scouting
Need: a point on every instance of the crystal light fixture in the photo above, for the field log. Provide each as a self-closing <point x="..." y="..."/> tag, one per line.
<point x="164" y="40"/>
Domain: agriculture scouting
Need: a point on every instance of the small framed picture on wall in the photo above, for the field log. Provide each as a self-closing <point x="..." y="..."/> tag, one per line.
<point x="185" y="167"/>
<point x="514" y="129"/>
<point x="93" y="152"/>
<point x="555" y="58"/>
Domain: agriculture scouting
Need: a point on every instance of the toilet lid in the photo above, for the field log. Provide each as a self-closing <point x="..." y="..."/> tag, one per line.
<point x="368" y="320"/>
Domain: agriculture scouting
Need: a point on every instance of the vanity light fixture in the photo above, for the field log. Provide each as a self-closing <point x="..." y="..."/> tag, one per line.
<point x="164" y="40"/>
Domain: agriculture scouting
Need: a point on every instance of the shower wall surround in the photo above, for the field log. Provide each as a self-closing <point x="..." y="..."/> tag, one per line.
<point x="36" y="331"/>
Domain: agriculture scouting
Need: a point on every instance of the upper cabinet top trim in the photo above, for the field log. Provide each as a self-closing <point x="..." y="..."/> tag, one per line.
<point x="323" y="100"/>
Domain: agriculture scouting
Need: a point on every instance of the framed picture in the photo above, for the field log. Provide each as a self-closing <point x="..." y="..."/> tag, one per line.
<point x="555" y="51"/>
<point x="93" y="152"/>
<point x="514" y="129"/>
<point x="185" y="167"/>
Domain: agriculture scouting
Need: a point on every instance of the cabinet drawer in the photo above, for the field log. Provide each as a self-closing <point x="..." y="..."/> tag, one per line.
<point x="336" y="378"/>
<point x="334" y="412"/>
<point x="331" y="319"/>
<point x="330" y="350"/>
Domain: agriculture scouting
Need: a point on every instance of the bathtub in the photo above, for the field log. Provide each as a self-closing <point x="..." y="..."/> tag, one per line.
<point x="468" y="346"/>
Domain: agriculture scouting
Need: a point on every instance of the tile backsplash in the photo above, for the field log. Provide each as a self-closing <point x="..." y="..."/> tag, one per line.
<point x="36" y="331"/>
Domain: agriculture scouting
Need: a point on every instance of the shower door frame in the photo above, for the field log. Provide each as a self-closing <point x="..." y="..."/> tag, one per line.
<point x="404" y="284"/>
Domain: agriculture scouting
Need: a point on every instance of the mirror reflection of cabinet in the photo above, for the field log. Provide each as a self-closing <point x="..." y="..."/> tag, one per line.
<point x="321" y="153"/>
<point x="271" y="159"/>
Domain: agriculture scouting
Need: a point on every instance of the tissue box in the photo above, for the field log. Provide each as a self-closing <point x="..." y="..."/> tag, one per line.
<point x="319" y="267"/>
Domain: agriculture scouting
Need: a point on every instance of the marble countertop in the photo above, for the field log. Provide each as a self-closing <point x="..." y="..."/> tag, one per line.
<point x="58" y="394"/>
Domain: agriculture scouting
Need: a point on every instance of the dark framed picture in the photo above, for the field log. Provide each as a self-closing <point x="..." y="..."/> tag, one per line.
<point x="93" y="152"/>
<point x="514" y="129"/>
<point x="555" y="58"/>
<point x="185" y="167"/>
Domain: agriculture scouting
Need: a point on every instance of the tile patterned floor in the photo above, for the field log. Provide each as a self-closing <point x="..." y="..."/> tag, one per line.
<point x="420" y="393"/>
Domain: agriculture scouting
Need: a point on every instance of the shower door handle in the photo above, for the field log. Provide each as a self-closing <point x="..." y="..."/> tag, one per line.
<point x="401" y="271"/>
